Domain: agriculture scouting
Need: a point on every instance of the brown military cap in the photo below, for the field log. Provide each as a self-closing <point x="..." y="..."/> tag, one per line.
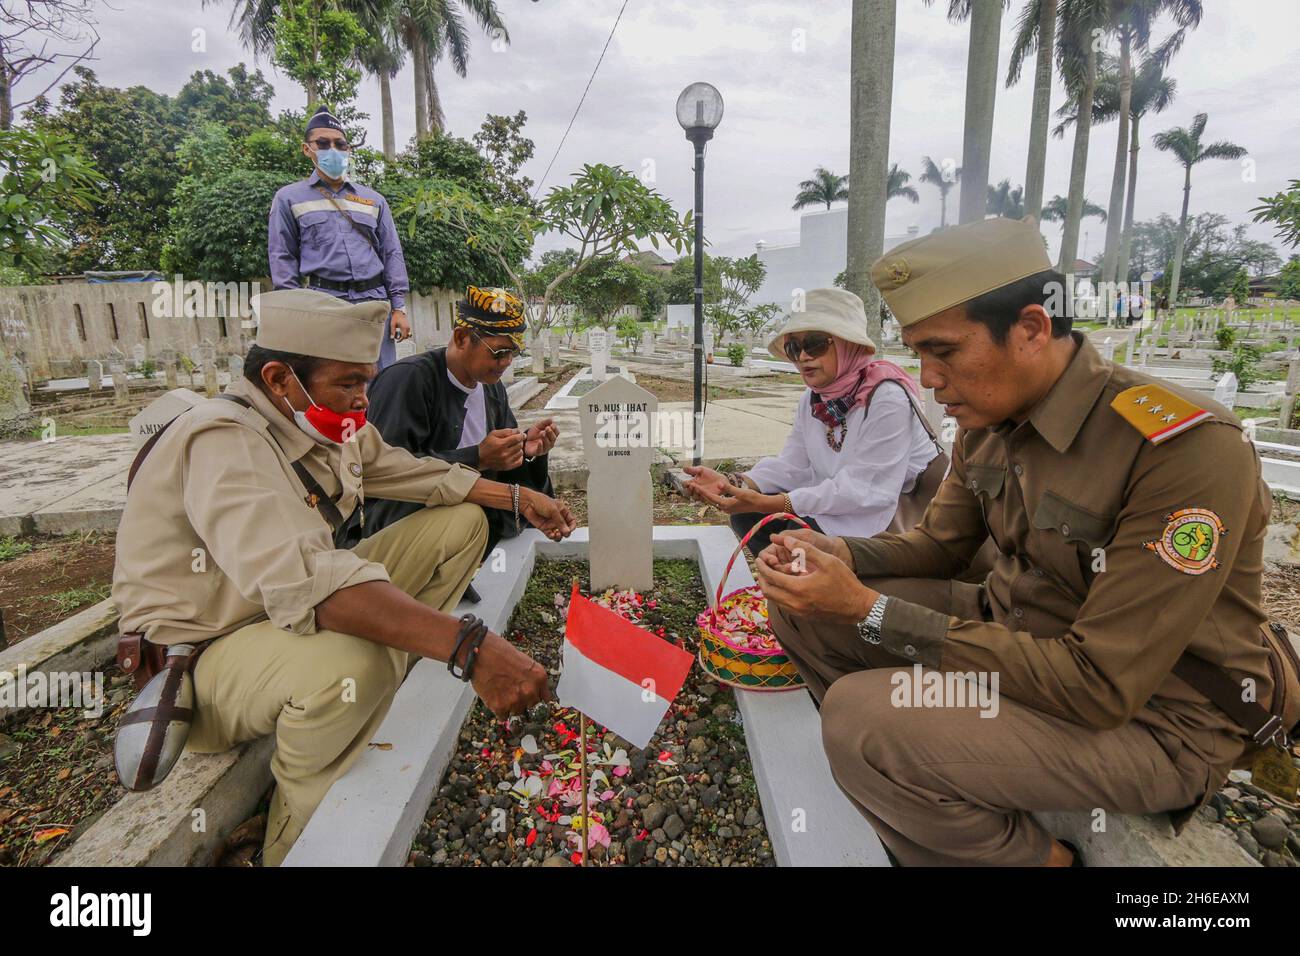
<point x="925" y="276"/>
<point x="314" y="323"/>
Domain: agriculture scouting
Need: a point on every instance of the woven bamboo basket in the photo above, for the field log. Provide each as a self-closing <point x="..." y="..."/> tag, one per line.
<point x="731" y="656"/>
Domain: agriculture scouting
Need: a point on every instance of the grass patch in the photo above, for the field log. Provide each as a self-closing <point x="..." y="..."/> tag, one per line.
<point x="70" y="600"/>
<point x="11" y="547"/>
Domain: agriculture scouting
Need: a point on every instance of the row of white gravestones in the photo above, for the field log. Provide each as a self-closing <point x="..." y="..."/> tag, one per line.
<point x="616" y="419"/>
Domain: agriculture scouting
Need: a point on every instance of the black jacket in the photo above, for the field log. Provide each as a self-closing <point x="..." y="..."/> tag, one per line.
<point x="415" y="407"/>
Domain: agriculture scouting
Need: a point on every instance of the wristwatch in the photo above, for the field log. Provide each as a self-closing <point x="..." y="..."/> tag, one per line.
<point x="869" y="626"/>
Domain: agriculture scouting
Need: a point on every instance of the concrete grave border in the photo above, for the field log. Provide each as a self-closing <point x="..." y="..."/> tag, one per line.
<point x="371" y="814"/>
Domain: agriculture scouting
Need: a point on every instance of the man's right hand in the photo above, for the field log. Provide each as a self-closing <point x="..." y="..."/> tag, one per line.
<point x="501" y="450"/>
<point x="780" y="553"/>
<point x="507" y="680"/>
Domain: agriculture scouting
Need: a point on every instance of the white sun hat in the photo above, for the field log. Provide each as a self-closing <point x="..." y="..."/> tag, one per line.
<point x="835" y="311"/>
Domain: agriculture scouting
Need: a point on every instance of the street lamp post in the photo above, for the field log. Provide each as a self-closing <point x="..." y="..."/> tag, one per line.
<point x="699" y="110"/>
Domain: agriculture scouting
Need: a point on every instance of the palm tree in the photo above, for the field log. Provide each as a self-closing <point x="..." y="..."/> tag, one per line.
<point x="1131" y="21"/>
<point x="430" y="29"/>
<point x="1185" y="144"/>
<point x="896" y="185"/>
<point x="1056" y="208"/>
<point x="1153" y="91"/>
<point x="871" y="92"/>
<point x="981" y="92"/>
<point x="1005" y="202"/>
<point x="824" y="187"/>
<point x="1077" y="56"/>
<point x="1036" y="28"/>
<point x="383" y="59"/>
<point x="944" y="180"/>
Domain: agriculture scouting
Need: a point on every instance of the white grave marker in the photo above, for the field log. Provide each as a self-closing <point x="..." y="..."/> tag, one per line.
<point x="617" y="421"/>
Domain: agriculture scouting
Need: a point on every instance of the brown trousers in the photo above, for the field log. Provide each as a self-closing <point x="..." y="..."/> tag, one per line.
<point x="947" y="785"/>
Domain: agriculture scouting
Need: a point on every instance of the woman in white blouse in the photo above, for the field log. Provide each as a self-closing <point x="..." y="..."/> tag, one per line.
<point x="858" y="441"/>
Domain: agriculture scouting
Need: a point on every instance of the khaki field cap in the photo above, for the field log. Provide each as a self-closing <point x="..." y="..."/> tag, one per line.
<point x="836" y="311"/>
<point x="925" y="276"/>
<point x="314" y="323"/>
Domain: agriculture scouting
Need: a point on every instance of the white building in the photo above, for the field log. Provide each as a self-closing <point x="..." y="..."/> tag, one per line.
<point x="815" y="260"/>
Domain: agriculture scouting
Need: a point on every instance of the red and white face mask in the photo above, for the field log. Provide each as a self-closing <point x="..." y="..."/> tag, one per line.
<point x="323" y="425"/>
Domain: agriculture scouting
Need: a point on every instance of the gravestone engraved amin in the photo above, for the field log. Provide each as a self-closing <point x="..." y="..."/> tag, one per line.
<point x="160" y="411"/>
<point x="617" y="423"/>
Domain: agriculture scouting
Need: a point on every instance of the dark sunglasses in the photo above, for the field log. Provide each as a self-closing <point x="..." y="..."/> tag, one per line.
<point x="497" y="354"/>
<point x="323" y="143"/>
<point x="814" y="345"/>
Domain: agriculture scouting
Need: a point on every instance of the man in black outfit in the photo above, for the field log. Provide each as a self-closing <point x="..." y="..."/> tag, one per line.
<point x="449" y="403"/>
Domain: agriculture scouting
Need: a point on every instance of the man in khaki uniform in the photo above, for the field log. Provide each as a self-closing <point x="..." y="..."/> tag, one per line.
<point x="1129" y="517"/>
<point x="220" y="538"/>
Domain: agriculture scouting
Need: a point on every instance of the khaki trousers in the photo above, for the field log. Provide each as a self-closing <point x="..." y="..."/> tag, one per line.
<point x="324" y="695"/>
<point x="946" y="786"/>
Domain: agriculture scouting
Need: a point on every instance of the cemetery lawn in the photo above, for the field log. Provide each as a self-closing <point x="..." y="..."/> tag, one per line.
<point x="44" y="579"/>
<point x="56" y="774"/>
<point x="687" y="798"/>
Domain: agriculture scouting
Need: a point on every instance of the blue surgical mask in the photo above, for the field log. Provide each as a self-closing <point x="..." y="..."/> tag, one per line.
<point x="332" y="162"/>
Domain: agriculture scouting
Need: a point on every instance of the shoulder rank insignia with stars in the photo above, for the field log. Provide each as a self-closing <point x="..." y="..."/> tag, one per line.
<point x="1156" y="412"/>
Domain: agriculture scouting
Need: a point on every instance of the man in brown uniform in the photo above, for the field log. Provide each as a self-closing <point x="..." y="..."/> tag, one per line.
<point x="222" y="541"/>
<point x="1129" y="516"/>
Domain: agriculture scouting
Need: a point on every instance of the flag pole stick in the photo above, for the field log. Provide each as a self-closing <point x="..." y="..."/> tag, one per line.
<point x="582" y="768"/>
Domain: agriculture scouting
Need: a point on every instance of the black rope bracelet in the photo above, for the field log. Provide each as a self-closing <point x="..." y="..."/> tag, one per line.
<point x="472" y="630"/>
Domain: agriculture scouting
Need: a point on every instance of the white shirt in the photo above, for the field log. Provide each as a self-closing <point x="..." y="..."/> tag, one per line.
<point x="475" y="429"/>
<point x="853" y="491"/>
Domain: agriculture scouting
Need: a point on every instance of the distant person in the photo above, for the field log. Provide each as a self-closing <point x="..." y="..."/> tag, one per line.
<point x="328" y="233"/>
<point x="858" y="446"/>
<point x="449" y="403"/>
<point x="1136" y="306"/>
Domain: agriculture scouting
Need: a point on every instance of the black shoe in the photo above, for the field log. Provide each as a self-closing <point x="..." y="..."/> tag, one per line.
<point x="471" y="595"/>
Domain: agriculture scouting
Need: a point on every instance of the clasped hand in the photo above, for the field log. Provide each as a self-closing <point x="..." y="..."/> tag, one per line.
<point x="810" y="575"/>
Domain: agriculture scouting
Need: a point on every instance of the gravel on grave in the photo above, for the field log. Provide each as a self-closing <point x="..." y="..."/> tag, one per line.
<point x="1264" y="827"/>
<point x="56" y="774"/>
<point x="688" y="798"/>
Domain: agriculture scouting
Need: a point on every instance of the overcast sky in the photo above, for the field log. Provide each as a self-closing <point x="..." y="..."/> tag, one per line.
<point x="783" y="70"/>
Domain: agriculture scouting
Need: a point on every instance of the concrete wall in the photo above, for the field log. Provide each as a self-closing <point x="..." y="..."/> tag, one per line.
<point x="55" y="329"/>
<point x="814" y="261"/>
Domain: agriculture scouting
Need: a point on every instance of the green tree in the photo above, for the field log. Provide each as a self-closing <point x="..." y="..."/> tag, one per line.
<point x="605" y="209"/>
<point x="240" y="101"/>
<point x="44" y="181"/>
<point x="1239" y="288"/>
<point x="738" y="279"/>
<point x="1283" y="211"/>
<point x="501" y="141"/>
<point x="1186" y="146"/>
<point x="1005" y="202"/>
<point x="896" y="185"/>
<point x="679" y="284"/>
<point x="131" y="135"/>
<point x="1131" y="22"/>
<point x="319" y="45"/>
<point x="943" y="180"/>
<point x="824" y="188"/>
<point x="1288" y="286"/>
<point x="219" y="232"/>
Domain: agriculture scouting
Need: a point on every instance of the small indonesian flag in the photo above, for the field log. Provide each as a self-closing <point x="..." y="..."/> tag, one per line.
<point x="616" y="673"/>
